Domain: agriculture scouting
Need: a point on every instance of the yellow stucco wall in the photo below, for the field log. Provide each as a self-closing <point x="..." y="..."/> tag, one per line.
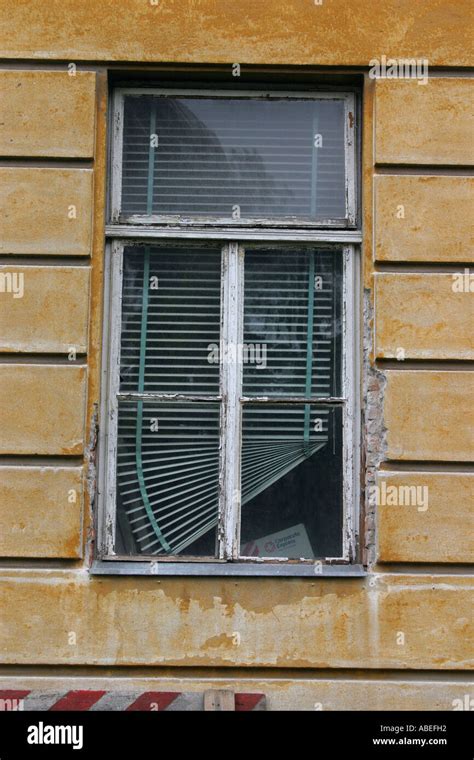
<point x="299" y="32"/>
<point x="342" y="635"/>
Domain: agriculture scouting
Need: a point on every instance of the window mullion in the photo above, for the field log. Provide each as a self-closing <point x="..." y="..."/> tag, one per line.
<point x="231" y="378"/>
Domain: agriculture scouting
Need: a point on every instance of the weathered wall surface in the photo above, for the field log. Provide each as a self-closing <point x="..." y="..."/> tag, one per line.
<point x="399" y="638"/>
<point x="301" y="32"/>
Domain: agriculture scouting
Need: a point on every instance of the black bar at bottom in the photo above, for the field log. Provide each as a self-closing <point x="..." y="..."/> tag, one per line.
<point x="154" y="734"/>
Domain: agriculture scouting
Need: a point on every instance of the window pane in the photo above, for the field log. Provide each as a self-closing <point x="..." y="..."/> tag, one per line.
<point x="292" y="323"/>
<point x="227" y="157"/>
<point x="291" y="481"/>
<point x="167" y="478"/>
<point x="170" y="320"/>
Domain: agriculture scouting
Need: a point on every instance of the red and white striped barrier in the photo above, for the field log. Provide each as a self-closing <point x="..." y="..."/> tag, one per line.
<point x="145" y="701"/>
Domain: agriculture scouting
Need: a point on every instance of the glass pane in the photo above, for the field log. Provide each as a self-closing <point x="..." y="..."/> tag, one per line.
<point x="234" y="157"/>
<point x="292" y="323"/>
<point x="291" y="481"/>
<point x="170" y="320"/>
<point x="167" y="478"/>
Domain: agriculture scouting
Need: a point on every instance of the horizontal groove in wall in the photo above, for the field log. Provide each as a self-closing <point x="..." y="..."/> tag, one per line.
<point x="466" y="569"/>
<point x="423" y="267"/>
<point x="428" y="170"/>
<point x="49" y="359"/>
<point x="86" y="64"/>
<point x="28" y="64"/>
<point x="32" y="460"/>
<point x="46" y="163"/>
<point x="31" y="563"/>
<point x="188" y="671"/>
<point x="35" y="260"/>
<point x="427" y="365"/>
<point x="422" y="466"/>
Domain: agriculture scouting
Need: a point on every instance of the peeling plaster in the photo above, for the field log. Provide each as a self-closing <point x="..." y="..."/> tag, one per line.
<point x="90" y="455"/>
<point x="374" y="432"/>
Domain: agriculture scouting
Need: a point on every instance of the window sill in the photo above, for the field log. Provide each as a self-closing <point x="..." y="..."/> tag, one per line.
<point x="344" y="235"/>
<point x="227" y="569"/>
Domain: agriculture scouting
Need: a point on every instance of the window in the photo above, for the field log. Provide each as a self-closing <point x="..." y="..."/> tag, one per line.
<point x="230" y="421"/>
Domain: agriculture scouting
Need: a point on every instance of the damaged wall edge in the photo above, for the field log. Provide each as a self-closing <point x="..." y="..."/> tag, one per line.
<point x="90" y="477"/>
<point x="374" y="431"/>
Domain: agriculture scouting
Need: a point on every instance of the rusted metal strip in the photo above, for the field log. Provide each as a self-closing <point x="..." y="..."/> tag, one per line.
<point x="82" y="700"/>
<point x="123" y="701"/>
<point x="12" y="700"/>
<point x="219" y="700"/>
<point x="153" y="700"/>
<point x="249" y="702"/>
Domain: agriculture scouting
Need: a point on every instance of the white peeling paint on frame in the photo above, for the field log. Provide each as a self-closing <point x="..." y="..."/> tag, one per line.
<point x="116" y="156"/>
<point x="109" y="400"/>
<point x="232" y="236"/>
<point x="136" y="220"/>
<point x="350" y="391"/>
<point x="350" y="158"/>
<point x="231" y="399"/>
<point x="232" y="334"/>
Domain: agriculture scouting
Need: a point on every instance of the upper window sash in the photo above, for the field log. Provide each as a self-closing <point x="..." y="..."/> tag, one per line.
<point x="141" y="166"/>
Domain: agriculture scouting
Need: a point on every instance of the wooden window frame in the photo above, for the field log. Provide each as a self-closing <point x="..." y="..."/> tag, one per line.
<point x="233" y="236"/>
<point x="349" y="221"/>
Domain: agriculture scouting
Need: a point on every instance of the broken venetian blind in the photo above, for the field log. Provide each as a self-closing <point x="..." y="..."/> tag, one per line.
<point x="168" y="453"/>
